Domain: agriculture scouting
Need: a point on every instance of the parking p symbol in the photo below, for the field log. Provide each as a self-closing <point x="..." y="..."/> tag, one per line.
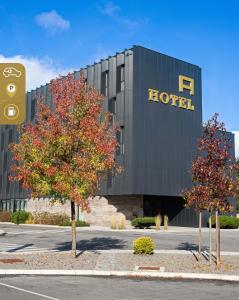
<point x="11" y="89"/>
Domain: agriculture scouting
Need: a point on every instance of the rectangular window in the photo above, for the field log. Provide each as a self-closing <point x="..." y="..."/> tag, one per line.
<point x="10" y="138"/>
<point x="109" y="179"/>
<point x="104" y="83"/>
<point x="8" y="188"/>
<point x="112" y="105"/>
<point x="2" y="141"/>
<point x="120" y="79"/>
<point x="33" y="109"/>
<point x="5" y="162"/>
<point x="0" y="183"/>
<point x="120" y="141"/>
<point x="112" y="108"/>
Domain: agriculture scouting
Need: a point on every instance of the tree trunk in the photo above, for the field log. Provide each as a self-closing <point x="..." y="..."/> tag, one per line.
<point x="210" y="237"/>
<point x="218" y="237"/>
<point x="73" y="220"/>
<point x="200" y="236"/>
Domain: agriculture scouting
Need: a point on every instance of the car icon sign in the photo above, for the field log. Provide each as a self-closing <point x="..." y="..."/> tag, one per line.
<point x="11" y="71"/>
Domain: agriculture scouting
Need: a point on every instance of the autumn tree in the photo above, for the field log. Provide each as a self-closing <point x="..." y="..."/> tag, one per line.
<point x="213" y="174"/>
<point x="237" y="178"/>
<point x="66" y="151"/>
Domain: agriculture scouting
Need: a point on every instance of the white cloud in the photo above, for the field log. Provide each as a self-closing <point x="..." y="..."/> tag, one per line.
<point x="109" y="8"/>
<point x="38" y="71"/>
<point x="236" y="133"/>
<point x="52" y="21"/>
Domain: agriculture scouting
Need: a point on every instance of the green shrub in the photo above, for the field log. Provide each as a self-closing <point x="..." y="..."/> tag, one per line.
<point x="226" y="222"/>
<point x="51" y="218"/>
<point x="143" y="222"/>
<point x="20" y="217"/>
<point x="5" y="216"/>
<point x="78" y="224"/>
<point x="143" y="245"/>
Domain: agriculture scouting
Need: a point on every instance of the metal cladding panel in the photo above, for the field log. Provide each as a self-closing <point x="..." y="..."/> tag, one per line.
<point x="122" y="183"/>
<point x="164" y="136"/>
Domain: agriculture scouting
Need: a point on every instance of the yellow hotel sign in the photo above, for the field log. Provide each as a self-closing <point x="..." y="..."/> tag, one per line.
<point x="185" y="83"/>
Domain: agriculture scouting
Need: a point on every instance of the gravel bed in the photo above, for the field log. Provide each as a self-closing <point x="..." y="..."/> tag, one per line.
<point x="89" y="260"/>
<point x="64" y="261"/>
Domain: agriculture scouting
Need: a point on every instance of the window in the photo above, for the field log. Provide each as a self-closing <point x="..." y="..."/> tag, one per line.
<point x="104" y="83"/>
<point x="119" y="137"/>
<point x="0" y="183"/>
<point x="112" y="105"/>
<point x="8" y="187"/>
<point x="2" y="141"/>
<point x="5" y="162"/>
<point x="10" y="138"/>
<point x="120" y="79"/>
<point x="33" y="109"/>
<point x="109" y="179"/>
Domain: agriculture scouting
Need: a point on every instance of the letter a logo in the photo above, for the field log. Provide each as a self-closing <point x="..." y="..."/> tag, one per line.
<point x="186" y="83"/>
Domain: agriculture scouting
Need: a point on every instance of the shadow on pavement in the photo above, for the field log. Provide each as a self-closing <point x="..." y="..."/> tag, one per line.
<point x="94" y="244"/>
<point x="190" y="246"/>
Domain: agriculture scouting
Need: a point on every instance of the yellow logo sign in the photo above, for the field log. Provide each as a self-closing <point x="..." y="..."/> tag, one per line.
<point x="12" y="93"/>
<point x="185" y="83"/>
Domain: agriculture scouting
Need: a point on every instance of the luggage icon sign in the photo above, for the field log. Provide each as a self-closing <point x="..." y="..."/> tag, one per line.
<point x="12" y="93"/>
<point x="11" y="111"/>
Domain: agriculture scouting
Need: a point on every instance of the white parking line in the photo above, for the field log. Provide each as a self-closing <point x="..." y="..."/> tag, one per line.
<point x="36" y="231"/>
<point x="27" y="291"/>
<point x="18" y="248"/>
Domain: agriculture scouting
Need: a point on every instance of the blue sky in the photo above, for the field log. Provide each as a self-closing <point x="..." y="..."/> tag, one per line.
<point x="57" y="36"/>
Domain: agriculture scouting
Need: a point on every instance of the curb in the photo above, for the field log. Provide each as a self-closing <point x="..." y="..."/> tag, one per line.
<point x="171" y="229"/>
<point x="116" y="251"/>
<point x="138" y="274"/>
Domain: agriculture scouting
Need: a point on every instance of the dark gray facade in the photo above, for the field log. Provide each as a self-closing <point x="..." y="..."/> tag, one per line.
<point x="157" y="139"/>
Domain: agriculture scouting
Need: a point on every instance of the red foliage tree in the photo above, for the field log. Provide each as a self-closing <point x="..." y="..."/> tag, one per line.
<point x="65" y="153"/>
<point x="213" y="173"/>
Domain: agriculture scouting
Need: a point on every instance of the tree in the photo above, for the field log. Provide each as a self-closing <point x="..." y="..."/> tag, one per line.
<point x="213" y="173"/>
<point x="237" y="178"/>
<point x="65" y="153"/>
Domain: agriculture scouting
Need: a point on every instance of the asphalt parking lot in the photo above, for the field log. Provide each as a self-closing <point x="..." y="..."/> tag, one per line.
<point x="33" y="238"/>
<point x="88" y="288"/>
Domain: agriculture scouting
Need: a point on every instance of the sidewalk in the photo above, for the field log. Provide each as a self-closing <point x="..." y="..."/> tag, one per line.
<point x="171" y="229"/>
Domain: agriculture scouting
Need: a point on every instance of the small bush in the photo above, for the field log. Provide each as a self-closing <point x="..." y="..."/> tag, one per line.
<point x="143" y="222"/>
<point x="122" y="225"/>
<point x="158" y="221"/>
<point x="30" y="219"/>
<point x="143" y="245"/>
<point x="113" y="224"/>
<point x="78" y="224"/>
<point x="51" y="219"/>
<point x="226" y="222"/>
<point x="5" y="216"/>
<point x="20" y="217"/>
<point x="165" y="222"/>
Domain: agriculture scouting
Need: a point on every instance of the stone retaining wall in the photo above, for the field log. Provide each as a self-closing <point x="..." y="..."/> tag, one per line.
<point x="103" y="209"/>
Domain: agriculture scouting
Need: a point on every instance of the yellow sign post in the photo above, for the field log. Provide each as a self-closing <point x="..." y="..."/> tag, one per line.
<point x="12" y="93"/>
